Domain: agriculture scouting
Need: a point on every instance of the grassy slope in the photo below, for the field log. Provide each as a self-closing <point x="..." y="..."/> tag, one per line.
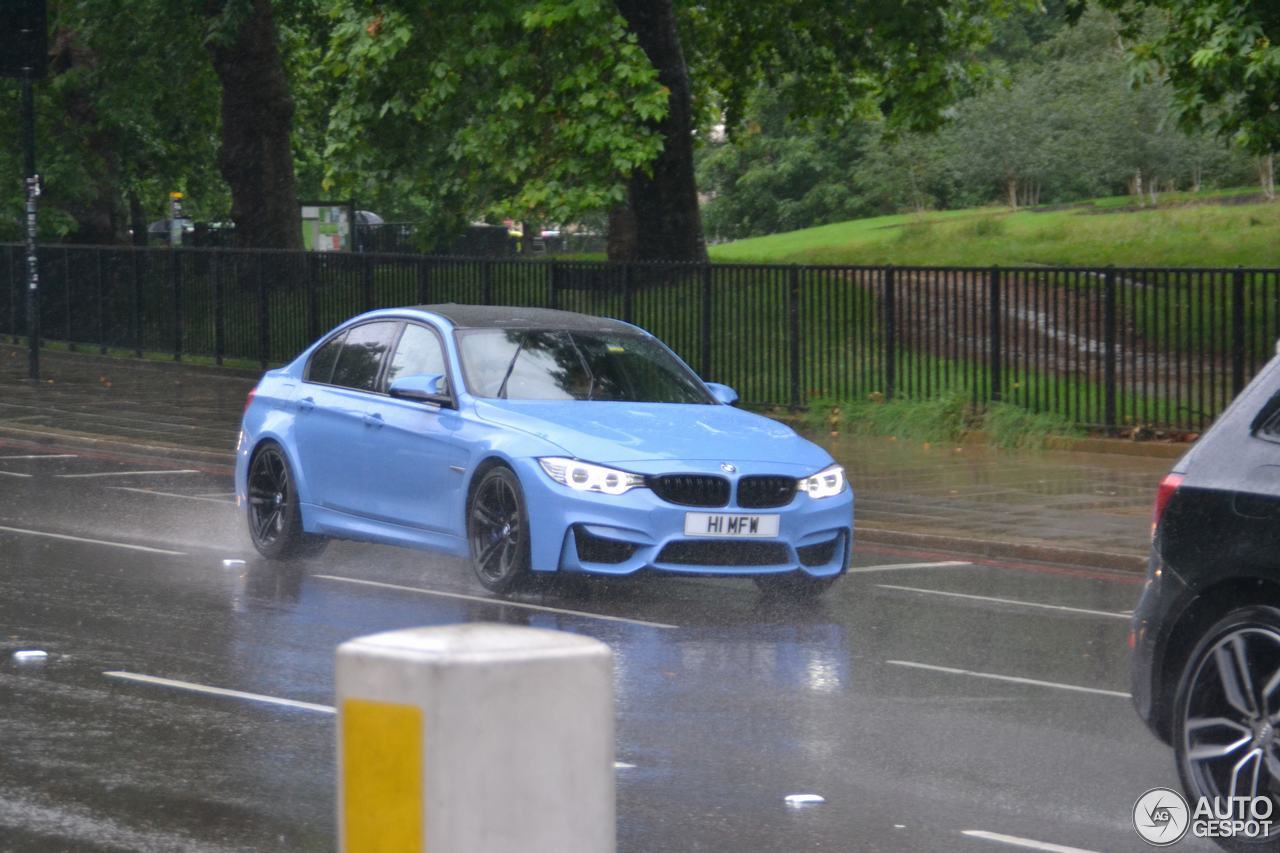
<point x="1177" y="233"/>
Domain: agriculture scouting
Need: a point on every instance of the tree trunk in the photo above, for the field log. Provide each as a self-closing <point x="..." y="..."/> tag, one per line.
<point x="665" y="203"/>
<point x="256" y="156"/>
<point x="1011" y="191"/>
<point x="1267" y="176"/>
<point x="99" y="212"/>
<point x="622" y="233"/>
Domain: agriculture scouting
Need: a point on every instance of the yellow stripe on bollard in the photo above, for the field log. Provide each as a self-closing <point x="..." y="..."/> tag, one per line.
<point x="382" y="777"/>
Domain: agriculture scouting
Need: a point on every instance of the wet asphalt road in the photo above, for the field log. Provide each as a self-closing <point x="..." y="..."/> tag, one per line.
<point x="881" y="697"/>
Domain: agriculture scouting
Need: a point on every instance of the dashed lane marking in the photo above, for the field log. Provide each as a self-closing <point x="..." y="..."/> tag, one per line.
<point x="893" y="567"/>
<point x="1010" y="601"/>
<point x="1027" y="843"/>
<point x="210" y="690"/>
<point x="126" y="473"/>
<point x="1013" y="679"/>
<point x="63" y="536"/>
<point x="496" y="602"/>
<point x="44" y="456"/>
<point x="223" y="501"/>
<point x="14" y="474"/>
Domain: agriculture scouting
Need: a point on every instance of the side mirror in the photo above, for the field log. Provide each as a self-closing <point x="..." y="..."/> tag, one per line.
<point x="423" y="387"/>
<point x="722" y="393"/>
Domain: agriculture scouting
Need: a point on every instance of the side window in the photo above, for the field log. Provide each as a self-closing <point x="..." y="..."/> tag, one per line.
<point x="419" y="351"/>
<point x="321" y="367"/>
<point x="362" y="355"/>
<point x="1266" y="423"/>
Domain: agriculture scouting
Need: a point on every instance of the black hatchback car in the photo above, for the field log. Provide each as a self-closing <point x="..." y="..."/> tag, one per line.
<point x="1205" y="639"/>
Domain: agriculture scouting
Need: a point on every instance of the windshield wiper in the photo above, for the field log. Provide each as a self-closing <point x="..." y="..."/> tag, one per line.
<point x="502" y="389"/>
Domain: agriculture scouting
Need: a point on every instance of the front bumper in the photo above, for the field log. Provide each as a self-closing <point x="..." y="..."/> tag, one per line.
<point x="623" y="534"/>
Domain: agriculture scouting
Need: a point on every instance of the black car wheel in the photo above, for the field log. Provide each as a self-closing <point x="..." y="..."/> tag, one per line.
<point x="275" y="519"/>
<point x="1227" y="715"/>
<point x="798" y="585"/>
<point x="498" y="530"/>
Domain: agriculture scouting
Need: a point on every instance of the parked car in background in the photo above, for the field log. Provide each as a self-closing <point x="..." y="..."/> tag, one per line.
<point x="533" y="441"/>
<point x="1205" y="637"/>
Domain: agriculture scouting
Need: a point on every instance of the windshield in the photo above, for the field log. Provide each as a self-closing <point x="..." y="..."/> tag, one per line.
<point x="526" y="364"/>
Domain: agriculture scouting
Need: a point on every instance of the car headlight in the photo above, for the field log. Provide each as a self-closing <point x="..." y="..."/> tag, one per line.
<point x="827" y="483"/>
<point x="585" y="477"/>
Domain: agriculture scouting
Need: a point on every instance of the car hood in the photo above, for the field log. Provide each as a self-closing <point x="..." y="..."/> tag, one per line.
<point x="610" y="432"/>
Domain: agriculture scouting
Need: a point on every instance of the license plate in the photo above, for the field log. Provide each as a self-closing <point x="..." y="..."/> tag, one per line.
<point x="729" y="525"/>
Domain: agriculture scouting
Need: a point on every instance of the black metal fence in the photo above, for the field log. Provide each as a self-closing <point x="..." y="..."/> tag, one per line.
<point x="1164" y="348"/>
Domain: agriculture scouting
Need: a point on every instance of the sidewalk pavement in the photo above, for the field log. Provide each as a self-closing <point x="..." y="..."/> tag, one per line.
<point x="1083" y="507"/>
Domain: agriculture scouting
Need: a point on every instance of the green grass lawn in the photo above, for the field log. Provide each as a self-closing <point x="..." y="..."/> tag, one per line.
<point x="1183" y="231"/>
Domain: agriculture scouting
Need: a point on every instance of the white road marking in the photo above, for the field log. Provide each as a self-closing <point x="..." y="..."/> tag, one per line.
<point x="44" y="456"/>
<point x="893" y="567"/>
<point x="497" y="602"/>
<point x="1109" y="613"/>
<point x="220" y="691"/>
<point x="1035" y="682"/>
<point x="126" y="473"/>
<point x="171" y="495"/>
<point x="1028" y="843"/>
<point x="622" y="765"/>
<point x="13" y="474"/>
<point x="231" y="495"/>
<point x="45" y="533"/>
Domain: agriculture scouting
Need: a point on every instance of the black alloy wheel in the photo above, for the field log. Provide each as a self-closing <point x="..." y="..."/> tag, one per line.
<point x="1227" y="716"/>
<point x="275" y="520"/>
<point x="796" y="585"/>
<point x="498" y="530"/>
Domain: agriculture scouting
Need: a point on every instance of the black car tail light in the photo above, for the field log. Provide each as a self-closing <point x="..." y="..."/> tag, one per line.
<point x="1168" y="486"/>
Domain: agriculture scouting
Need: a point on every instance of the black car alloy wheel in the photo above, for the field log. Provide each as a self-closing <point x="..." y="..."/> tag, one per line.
<point x="498" y="529"/>
<point x="275" y="520"/>
<point x="1227" y="734"/>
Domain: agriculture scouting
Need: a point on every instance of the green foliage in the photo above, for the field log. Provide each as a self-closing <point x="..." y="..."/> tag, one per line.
<point x="1221" y="58"/>
<point x="128" y="109"/>
<point x="532" y="109"/>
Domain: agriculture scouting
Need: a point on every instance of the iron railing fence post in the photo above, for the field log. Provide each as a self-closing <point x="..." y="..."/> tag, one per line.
<point x="995" y="351"/>
<point x="890" y="314"/>
<point x="176" y="254"/>
<point x="1237" y="331"/>
<point x="704" y="321"/>
<point x="139" y="262"/>
<point x="264" y="320"/>
<point x="312" y="285"/>
<point x="219" y="321"/>
<point x="102" y="308"/>
<point x="1109" y="348"/>
<point x="553" y="285"/>
<point x="793" y="327"/>
<point x="628" y="297"/>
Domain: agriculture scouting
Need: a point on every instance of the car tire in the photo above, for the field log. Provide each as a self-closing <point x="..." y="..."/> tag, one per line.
<point x="1219" y="706"/>
<point x="273" y="511"/>
<point x="796" y="585"/>
<point x="498" y="530"/>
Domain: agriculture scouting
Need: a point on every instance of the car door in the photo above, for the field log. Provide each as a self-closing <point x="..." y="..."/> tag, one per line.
<point x="338" y="421"/>
<point x="419" y="460"/>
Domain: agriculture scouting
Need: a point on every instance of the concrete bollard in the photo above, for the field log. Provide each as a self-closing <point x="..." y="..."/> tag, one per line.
<point x="475" y="738"/>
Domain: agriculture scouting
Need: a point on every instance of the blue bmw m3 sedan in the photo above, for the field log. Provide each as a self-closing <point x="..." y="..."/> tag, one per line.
<point x="531" y="441"/>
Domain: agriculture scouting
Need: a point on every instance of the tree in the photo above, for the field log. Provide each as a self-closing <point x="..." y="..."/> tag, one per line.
<point x="256" y="155"/>
<point x="545" y="110"/>
<point x="1221" y="58"/>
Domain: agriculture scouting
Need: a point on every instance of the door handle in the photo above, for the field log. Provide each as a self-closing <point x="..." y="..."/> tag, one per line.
<point x="306" y="404"/>
<point x="373" y="420"/>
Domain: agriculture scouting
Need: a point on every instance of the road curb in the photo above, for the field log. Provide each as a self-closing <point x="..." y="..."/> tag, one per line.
<point x="1003" y="549"/>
